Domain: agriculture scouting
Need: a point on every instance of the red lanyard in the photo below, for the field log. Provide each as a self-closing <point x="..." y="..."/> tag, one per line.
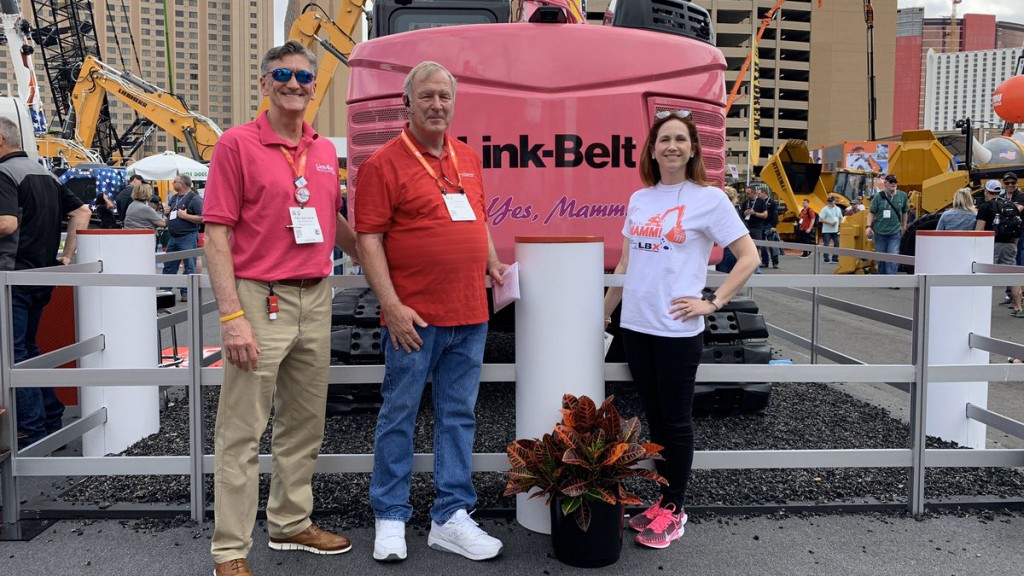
<point x="430" y="170"/>
<point x="301" y="192"/>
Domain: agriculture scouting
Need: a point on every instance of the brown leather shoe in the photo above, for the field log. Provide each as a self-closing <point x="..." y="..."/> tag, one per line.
<point x="313" y="540"/>
<point x="236" y="567"/>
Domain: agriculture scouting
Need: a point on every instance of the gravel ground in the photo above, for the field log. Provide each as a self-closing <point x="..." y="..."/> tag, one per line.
<point x="799" y="416"/>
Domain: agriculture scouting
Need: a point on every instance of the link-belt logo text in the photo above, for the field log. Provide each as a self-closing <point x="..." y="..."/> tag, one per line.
<point x="564" y="151"/>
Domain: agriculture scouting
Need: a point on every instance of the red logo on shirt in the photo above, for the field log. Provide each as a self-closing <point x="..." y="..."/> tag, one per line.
<point x="655" y="226"/>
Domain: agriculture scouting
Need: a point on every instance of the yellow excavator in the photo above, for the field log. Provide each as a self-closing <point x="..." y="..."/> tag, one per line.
<point x="162" y="108"/>
<point x="316" y="27"/>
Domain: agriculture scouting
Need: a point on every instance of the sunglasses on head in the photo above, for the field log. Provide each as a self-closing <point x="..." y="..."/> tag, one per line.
<point x="285" y="74"/>
<point x="677" y="113"/>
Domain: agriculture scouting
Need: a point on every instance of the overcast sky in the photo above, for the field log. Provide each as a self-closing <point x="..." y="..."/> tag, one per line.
<point x="1009" y="10"/>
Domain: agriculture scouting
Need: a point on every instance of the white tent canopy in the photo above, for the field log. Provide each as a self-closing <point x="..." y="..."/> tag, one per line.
<point x="167" y="165"/>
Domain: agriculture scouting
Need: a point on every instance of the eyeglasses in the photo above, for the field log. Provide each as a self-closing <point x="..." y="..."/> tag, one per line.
<point x="283" y="75"/>
<point x="677" y="113"/>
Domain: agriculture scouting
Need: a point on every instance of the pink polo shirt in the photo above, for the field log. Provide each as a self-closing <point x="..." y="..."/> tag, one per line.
<point x="250" y="189"/>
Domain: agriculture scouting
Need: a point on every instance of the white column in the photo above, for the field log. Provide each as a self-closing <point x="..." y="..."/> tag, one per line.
<point x="126" y="316"/>
<point x="559" y="339"/>
<point x="954" y="312"/>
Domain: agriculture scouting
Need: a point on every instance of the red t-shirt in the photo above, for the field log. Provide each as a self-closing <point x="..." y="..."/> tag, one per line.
<point x="250" y="189"/>
<point x="437" y="266"/>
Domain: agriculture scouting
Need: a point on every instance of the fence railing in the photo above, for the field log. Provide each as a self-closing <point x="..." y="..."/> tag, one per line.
<point x="43" y="371"/>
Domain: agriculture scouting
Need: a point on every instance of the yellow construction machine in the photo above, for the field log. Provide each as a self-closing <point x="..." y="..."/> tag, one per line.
<point x="793" y="176"/>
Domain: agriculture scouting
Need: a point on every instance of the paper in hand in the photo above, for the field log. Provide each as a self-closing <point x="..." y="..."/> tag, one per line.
<point x="508" y="292"/>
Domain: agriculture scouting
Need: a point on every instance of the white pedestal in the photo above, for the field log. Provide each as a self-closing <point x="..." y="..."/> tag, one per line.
<point x="559" y="339"/>
<point x="954" y="312"/>
<point x="126" y="316"/>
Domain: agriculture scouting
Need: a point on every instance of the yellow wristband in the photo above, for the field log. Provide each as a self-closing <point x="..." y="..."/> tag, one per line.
<point x="238" y="314"/>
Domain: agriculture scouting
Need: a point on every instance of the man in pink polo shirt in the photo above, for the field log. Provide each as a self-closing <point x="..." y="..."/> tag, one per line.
<point x="272" y="220"/>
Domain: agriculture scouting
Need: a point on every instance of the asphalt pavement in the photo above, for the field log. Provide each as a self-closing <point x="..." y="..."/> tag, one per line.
<point x="857" y="545"/>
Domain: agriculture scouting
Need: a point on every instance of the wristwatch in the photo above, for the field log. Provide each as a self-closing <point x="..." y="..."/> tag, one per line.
<point x="711" y="297"/>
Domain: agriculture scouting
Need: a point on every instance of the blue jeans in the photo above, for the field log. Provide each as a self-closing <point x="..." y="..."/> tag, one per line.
<point x="766" y="252"/>
<point x="178" y="244"/>
<point x="887" y="244"/>
<point x="39" y="411"/>
<point x="453" y="356"/>
<point x="834" y="238"/>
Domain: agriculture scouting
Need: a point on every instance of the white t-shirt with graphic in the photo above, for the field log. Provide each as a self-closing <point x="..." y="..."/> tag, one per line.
<point x="671" y="229"/>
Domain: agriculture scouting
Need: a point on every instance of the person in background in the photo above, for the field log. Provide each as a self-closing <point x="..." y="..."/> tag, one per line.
<point x="728" y="258"/>
<point x="963" y="215"/>
<point x="106" y="210"/>
<point x="124" y="197"/>
<point x="831" y="217"/>
<point x="753" y="211"/>
<point x="1015" y="195"/>
<point x="184" y="211"/>
<point x="1005" y="246"/>
<point x="807" y="222"/>
<point x="770" y="221"/>
<point x="887" y="221"/>
<point x="663" y="307"/>
<point x="269" y="236"/>
<point x="140" y="215"/>
<point x="33" y="205"/>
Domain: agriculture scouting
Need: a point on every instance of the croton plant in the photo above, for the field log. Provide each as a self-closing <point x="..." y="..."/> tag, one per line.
<point x="584" y="460"/>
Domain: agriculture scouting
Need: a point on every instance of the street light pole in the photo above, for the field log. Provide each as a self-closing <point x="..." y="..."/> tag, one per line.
<point x="869" y="19"/>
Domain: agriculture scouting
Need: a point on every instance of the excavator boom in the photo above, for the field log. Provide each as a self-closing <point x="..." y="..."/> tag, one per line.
<point x="314" y="27"/>
<point x="163" y="109"/>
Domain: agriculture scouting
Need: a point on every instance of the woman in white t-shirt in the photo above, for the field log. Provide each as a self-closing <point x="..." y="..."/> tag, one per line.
<point x="670" y="228"/>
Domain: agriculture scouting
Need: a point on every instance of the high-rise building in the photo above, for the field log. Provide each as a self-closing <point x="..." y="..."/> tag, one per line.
<point x="813" y="70"/>
<point x="917" y="35"/>
<point x="960" y="85"/>
<point x="207" y="52"/>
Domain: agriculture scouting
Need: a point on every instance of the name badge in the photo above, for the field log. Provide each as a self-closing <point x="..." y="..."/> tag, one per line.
<point x="886" y="213"/>
<point x="305" y="226"/>
<point x="173" y="215"/>
<point x="459" y="208"/>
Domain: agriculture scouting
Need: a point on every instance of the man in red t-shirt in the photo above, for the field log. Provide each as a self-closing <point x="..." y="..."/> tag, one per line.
<point x="425" y="247"/>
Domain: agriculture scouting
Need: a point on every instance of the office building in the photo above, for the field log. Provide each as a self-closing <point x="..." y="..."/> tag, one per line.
<point x="917" y="35"/>
<point x="207" y="52"/>
<point x="960" y="85"/>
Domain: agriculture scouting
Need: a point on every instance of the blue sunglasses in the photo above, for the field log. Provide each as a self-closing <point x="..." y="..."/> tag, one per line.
<point x="283" y="75"/>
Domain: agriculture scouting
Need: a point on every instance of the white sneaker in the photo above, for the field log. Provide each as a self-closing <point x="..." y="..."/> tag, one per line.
<point x="462" y="535"/>
<point x="389" y="543"/>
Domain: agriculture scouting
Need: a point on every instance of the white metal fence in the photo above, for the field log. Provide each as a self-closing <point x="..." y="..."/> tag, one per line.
<point x="43" y="371"/>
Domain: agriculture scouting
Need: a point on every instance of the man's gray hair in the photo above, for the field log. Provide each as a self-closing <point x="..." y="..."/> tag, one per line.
<point x="186" y="180"/>
<point x="10" y="132"/>
<point x="287" y="49"/>
<point x="425" y="69"/>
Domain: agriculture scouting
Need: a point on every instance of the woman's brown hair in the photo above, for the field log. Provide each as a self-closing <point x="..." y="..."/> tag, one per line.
<point x="650" y="172"/>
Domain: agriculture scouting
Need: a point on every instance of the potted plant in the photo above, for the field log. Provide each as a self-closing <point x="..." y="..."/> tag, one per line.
<point x="580" y="468"/>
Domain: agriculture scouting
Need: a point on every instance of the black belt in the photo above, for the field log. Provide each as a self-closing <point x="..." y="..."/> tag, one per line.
<point x="299" y="282"/>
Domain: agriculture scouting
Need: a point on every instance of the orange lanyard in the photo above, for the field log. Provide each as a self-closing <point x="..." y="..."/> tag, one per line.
<point x="301" y="191"/>
<point x="430" y="170"/>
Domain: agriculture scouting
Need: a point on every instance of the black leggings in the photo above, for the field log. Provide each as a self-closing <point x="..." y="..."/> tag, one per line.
<point x="664" y="370"/>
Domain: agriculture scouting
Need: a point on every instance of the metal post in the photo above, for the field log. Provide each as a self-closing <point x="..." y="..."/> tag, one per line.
<point x="814" y="308"/>
<point x="918" y="398"/>
<point x="9" y="426"/>
<point x="195" y="399"/>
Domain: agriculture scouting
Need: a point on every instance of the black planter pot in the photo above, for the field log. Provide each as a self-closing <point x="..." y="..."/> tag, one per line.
<point x="599" y="546"/>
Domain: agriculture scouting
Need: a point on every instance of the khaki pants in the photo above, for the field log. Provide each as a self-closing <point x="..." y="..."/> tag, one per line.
<point x="292" y="374"/>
